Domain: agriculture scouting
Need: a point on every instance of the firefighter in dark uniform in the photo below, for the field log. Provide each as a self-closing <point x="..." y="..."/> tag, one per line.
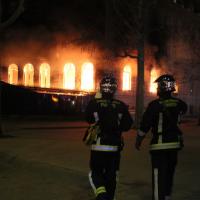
<point x="162" y="117"/>
<point x="113" y="118"/>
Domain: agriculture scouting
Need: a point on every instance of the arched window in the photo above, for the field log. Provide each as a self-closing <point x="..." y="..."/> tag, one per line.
<point x="13" y="74"/>
<point x="28" y="75"/>
<point x="126" y="84"/>
<point x="44" y="75"/>
<point x="87" y="76"/>
<point x="69" y="76"/>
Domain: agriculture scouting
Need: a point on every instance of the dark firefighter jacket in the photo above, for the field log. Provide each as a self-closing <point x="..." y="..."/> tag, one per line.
<point x="162" y="117"/>
<point x="113" y="118"/>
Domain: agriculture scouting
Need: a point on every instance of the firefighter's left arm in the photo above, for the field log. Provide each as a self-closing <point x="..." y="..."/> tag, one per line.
<point x="148" y="117"/>
<point x="126" y="121"/>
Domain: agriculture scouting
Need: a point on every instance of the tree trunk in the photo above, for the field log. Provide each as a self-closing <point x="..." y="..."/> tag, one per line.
<point x="140" y="62"/>
<point x="1" y="131"/>
<point x="109" y="24"/>
<point x="3" y="25"/>
<point x="140" y="84"/>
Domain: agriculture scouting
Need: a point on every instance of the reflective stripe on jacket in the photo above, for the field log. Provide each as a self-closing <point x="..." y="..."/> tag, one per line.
<point x="161" y="117"/>
<point x="107" y="148"/>
<point x="168" y="145"/>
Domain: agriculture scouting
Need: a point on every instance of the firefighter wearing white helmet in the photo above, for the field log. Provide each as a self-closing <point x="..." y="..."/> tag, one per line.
<point x="161" y="117"/>
<point x="111" y="116"/>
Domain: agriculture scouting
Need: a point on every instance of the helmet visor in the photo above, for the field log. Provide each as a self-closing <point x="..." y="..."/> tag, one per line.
<point x="166" y="86"/>
<point x="108" y="87"/>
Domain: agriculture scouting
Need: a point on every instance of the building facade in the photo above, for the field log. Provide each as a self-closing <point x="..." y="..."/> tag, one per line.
<point x="78" y="68"/>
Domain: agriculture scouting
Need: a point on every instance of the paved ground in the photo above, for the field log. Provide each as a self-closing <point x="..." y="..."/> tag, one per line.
<point x="46" y="160"/>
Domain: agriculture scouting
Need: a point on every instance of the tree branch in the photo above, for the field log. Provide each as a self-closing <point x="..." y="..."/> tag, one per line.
<point x="125" y="54"/>
<point x="126" y="22"/>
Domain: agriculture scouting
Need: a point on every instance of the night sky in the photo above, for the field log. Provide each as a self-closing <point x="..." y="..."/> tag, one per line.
<point x="83" y="20"/>
<point x="46" y="20"/>
<point x="61" y="15"/>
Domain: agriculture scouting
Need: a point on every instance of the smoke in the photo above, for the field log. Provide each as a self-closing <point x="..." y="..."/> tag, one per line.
<point x="21" y="46"/>
<point x="39" y="45"/>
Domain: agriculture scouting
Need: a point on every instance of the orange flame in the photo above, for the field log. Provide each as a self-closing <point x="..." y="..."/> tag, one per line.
<point x="28" y="75"/>
<point x="45" y="75"/>
<point x="69" y="76"/>
<point x="176" y="89"/>
<point x="153" y="76"/>
<point x="87" y="77"/>
<point x="54" y="99"/>
<point x="13" y="74"/>
<point x="126" y="85"/>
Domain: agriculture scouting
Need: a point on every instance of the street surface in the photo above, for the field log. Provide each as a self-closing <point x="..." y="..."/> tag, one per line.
<point x="45" y="159"/>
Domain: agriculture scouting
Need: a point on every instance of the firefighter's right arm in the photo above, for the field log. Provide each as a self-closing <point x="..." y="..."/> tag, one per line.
<point x="139" y="138"/>
<point x="89" y="112"/>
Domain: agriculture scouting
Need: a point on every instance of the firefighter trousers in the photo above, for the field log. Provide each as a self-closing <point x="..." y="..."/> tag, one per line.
<point x="163" y="168"/>
<point x="104" y="167"/>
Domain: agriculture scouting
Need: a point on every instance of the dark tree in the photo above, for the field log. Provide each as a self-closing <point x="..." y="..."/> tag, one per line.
<point x="9" y="12"/>
<point x="132" y="27"/>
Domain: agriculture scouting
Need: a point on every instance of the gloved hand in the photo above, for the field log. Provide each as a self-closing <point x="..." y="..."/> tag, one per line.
<point x="138" y="142"/>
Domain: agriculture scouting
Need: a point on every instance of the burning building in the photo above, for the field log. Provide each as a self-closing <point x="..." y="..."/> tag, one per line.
<point x="54" y="64"/>
<point x="77" y="72"/>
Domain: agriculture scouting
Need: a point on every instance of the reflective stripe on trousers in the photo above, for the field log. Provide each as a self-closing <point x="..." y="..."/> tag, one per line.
<point x="155" y="171"/>
<point x="160" y="127"/>
<point x="99" y="190"/>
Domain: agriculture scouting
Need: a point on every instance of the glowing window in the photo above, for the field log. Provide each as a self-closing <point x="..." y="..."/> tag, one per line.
<point x="44" y="75"/>
<point x="28" y="75"/>
<point x="153" y="76"/>
<point x="13" y="74"/>
<point x="176" y="89"/>
<point x="69" y="76"/>
<point x="126" y="84"/>
<point x="87" y="76"/>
